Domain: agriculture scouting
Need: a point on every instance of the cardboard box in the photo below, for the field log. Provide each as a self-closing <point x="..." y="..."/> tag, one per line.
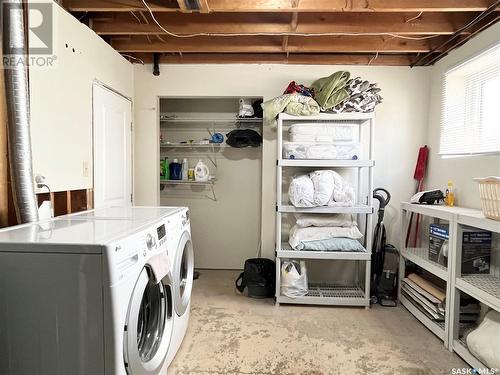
<point x="476" y="248"/>
<point x="439" y="243"/>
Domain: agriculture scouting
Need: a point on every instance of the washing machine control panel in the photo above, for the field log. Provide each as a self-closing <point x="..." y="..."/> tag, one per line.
<point x="150" y="241"/>
<point x="162" y="234"/>
<point x="129" y="254"/>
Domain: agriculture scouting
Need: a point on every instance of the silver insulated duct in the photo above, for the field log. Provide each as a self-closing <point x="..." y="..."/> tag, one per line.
<point x="16" y="84"/>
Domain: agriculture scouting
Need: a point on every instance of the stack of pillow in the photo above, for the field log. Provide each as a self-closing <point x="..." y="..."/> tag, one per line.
<point x="325" y="232"/>
<point x="321" y="188"/>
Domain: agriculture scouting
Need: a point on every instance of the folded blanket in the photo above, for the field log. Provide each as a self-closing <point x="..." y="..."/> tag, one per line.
<point x="330" y="91"/>
<point x="299" y="235"/>
<point x="331" y="244"/>
<point x="363" y="97"/>
<point x="293" y="104"/>
<point x="325" y="220"/>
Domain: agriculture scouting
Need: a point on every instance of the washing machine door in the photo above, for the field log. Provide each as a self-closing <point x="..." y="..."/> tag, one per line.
<point x="183" y="273"/>
<point x="149" y="325"/>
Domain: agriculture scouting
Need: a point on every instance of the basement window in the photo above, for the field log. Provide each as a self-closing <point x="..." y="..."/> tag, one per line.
<point x="470" y="122"/>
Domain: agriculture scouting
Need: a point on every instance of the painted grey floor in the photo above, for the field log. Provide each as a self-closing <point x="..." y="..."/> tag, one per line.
<point x="232" y="334"/>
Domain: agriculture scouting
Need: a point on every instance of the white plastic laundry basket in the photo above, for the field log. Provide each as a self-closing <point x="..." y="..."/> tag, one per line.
<point x="489" y="192"/>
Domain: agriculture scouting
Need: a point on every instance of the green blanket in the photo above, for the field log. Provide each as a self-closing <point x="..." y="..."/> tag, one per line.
<point x="293" y="104"/>
<point x="330" y="91"/>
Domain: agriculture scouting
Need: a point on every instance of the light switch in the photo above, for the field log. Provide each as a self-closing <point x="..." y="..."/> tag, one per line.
<point x="85" y="169"/>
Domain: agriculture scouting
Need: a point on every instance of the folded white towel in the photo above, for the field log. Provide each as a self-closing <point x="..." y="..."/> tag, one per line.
<point x="160" y="266"/>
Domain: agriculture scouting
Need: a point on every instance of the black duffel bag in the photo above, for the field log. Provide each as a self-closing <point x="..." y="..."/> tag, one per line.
<point x="259" y="276"/>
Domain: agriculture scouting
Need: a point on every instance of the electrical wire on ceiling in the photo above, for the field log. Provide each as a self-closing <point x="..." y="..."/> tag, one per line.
<point x="373" y="58"/>
<point x="415" y="18"/>
<point x="492" y="8"/>
<point x="133" y="58"/>
<point x="280" y="33"/>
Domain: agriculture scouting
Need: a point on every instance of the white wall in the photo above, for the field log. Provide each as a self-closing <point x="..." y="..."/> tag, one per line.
<point x="460" y="170"/>
<point x="61" y="102"/>
<point x="400" y="129"/>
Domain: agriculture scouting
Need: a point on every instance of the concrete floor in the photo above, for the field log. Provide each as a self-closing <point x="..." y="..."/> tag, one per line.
<point x="233" y="334"/>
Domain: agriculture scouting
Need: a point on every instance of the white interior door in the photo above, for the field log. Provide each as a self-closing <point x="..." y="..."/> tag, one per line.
<point x="112" y="148"/>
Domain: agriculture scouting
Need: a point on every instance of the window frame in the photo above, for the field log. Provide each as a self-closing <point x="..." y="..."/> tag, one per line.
<point x="479" y="91"/>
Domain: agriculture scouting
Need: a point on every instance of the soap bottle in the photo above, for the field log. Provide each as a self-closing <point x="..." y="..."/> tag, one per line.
<point x="450" y="194"/>
<point x="185" y="167"/>
<point x="175" y="170"/>
<point x="201" y="172"/>
<point x="166" y="169"/>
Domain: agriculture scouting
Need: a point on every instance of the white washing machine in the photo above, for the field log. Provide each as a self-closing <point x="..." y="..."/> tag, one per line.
<point x="85" y="297"/>
<point x="177" y="238"/>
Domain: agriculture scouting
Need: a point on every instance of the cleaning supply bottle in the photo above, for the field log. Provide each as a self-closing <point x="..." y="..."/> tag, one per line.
<point x="162" y="170"/>
<point x="450" y="195"/>
<point x="185" y="167"/>
<point x="175" y="170"/>
<point x="166" y="168"/>
<point x="201" y="172"/>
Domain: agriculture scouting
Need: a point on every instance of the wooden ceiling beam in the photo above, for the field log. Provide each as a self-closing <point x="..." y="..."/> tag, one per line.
<point x="184" y="6"/>
<point x="349" y="5"/>
<point x="269" y="58"/>
<point x="396" y="23"/>
<point x="284" y="5"/>
<point x="265" y="44"/>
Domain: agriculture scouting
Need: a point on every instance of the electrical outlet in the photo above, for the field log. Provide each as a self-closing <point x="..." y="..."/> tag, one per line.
<point x="85" y="169"/>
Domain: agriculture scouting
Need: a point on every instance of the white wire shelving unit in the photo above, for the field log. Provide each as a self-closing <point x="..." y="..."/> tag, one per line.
<point x="215" y="146"/>
<point x="175" y="123"/>
<point x="167" y="118"/>
<point x="341" y="294"/>
<point x="483" y="287"/>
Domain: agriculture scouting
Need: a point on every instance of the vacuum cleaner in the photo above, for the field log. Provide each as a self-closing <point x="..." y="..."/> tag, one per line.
<point x="385" y="258"/>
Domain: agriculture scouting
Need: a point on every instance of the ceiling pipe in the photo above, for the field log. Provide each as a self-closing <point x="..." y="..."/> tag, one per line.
<point x="156" y="64"/>
<point x="18" y="114"/>
<point x="492" y="8"/>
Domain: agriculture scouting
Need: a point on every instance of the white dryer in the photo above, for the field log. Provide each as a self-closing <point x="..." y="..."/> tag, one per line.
<point x="85" y="297"/>
<point x="176" y="236"/>
<point x="180" y="251"/>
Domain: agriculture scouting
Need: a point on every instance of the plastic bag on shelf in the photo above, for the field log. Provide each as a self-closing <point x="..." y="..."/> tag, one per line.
<point x="294" y="278"/>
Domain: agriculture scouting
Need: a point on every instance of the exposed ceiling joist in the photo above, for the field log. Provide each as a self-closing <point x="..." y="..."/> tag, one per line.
<point x="396" y="23"/>
<point x="188" y="6"/>
<point x="319" y="6"/>
<point x="376" y="32"/>
<point x="261" y="44"/>
<point x="269" y="58"/>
